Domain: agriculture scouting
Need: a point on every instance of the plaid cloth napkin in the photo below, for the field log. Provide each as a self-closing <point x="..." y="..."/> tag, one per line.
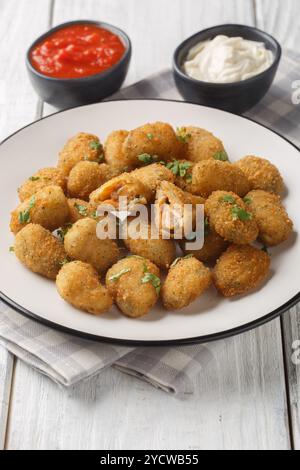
<point x="67" y="359"/>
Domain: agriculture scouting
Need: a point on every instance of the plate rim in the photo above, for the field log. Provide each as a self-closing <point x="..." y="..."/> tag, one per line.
<point x="175" y="342"/>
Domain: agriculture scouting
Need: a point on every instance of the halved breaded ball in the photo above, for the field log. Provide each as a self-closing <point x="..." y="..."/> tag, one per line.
<point x="240" y="269"/>
<point x="82" y="244"/>
<point x="134" y="284"/>
<point x="124" y="185"/>
<point x="201" y="144"/>
<point x="152" y="175"/>
<point x="85" y="177"/>
<point x="230" y="218"/>
<point x="157" y="141"/>
<point x="212" y="175"/>
<point x="213" y="247"/>
<point x="114" y="154"/>
<point x="81" y="147"/>
<point x="41" y="179"/>
<point x="261" y="174"/>
<point x="187" y="280"/>
<point x="39" y="251"/>
<point x="48" y="207"/>
<point x="160" y="252"/>
<point x="273" y="222"/>
<point x="78" y="284"/>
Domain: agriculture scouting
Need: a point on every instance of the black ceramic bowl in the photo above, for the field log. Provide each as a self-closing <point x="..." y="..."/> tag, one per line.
<point x="69" y="92"/>
<point x="235" y="97"/>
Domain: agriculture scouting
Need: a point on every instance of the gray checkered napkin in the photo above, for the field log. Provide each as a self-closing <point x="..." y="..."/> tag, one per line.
<point x="68" y="360"/>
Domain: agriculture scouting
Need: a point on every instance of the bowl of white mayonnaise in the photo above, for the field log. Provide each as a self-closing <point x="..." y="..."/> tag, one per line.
<point x="230" y="66"/>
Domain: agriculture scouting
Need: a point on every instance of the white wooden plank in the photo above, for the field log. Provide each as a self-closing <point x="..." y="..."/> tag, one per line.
<point x="240" y="401"/>
<point x="280" y="18"/>
<point x="18" y="104"/>
<point x="238" y="404"/>
<point x="6" y="371"/>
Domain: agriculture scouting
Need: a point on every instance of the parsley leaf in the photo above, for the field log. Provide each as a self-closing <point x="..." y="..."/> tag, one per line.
<point x="152" y="279"/>
<point x="221" y="156"/>
<point x="95" y="145"/>
<point x="247" y="200"/>
<point x="239" y="213"/>
<point x="180" y="169"/>
<point x="62" y="232"/>
<point x="64" y="262"/>
<point x="24" y="216"/>
<point x="178" y="259"/>
<point x="150" y="136"/>
<point x="82" y="210"/>
<point x="117" y="276"/>
<point x="147" y="158"/>
<point x="34" y="178"/>
<point x="265" y="249"/>
<point x="182" y="135"/>
<point x="206" y="227"/>
<point x="11" y="249"/>
<point x="228" y="198"/>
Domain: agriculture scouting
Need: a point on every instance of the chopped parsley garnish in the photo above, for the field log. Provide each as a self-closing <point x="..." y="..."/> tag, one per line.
<point x="147" y="158"/>
<point x="221" y="156"/>
<point x="62" y="232"/>
<point x="247" y="200"/>
<point x="11" y="249"/>
<point x="239" y="213"/>
<point x="228" y="198"/>
<point x="182" y="135"/>
<point x="117" y="276"/>
<point x="180" y="169"/>
<point x="265" y="249"/>
<point x="34" y="178"/>
<point x="206" y="226"/>
<point x="150" y="136"/>
<point x="152" y="279"/>
<point x="24" y="216"/>
<point x="95" y="145"/>
<point x="82" y="210"/>
<point x="178" y="259"/>
<point x="64" y="262"/>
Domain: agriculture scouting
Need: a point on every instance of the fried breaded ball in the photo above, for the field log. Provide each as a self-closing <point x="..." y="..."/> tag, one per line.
<point x="157" y="140"/>
<point x="48" y="207"/>
<point x="82" y="244"/>
<point x="114" y="154"/>
<point x="201" y="144"/>
<point x="212" y="249"/>
<point x="261" y="174"/>
<point x="240" y="269"/>
<point x="125" y="185"/>
<point x="39" y="250"/>
<point x="134" y="284"/>
<point x="78" y="284"/>
<point x="212" y="175"/>
<point x="152" y="175"/>
<point x="187" y="280"/>
<point x="85" y="177"/>
<point x="81" y="147"/>
<point x="229" y="216"/>
<point x="41" y="179"/>
<point x="273" y="222"/>
<point x="160" y="252"/>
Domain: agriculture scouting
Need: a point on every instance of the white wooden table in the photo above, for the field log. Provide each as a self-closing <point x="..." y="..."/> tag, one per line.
<point x="250" y="398"/>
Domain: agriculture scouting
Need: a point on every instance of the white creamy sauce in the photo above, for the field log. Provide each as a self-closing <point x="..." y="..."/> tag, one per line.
<point x="227" y="60"/>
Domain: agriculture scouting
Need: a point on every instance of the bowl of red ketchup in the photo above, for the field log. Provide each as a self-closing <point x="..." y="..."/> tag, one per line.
<point x="78" y="62"/>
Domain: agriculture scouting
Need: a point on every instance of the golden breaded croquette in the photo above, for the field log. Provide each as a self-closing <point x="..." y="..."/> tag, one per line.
<point x="78" y="284"/>
<point x="134" y="283"/>
<point x="41" y="179"/>
<point x="240" y="269"/>
<point x="212" y="175"/>
<point x="82" y="244"/>
<point x="151" y="143"/>
<point x="85" y="177"/>
<point x="212" y="249"/>
<point x="48" y="207"/>
<point x="273" y="222"/>
<point x="124" y="185"/>
<point x="39" y="250"/>
<point x="187" y="280"/>
<point x="152" y="175"/>
<point x="261" y="174"/>
<point x="160" y="252"/>
<point x="81" y="147"/>
<point x="114" y="154"/>
<point x="201" y="144"/>
<point x="230" y="217"/>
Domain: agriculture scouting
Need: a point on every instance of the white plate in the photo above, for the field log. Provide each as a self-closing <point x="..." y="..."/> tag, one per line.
<point x="210" y="317"/>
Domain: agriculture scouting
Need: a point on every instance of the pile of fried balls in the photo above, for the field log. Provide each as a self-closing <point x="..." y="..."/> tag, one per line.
<point x="56" y="221"/>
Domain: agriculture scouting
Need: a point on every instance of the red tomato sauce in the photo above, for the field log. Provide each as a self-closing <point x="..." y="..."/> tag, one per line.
<point x="77" y="51"/>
